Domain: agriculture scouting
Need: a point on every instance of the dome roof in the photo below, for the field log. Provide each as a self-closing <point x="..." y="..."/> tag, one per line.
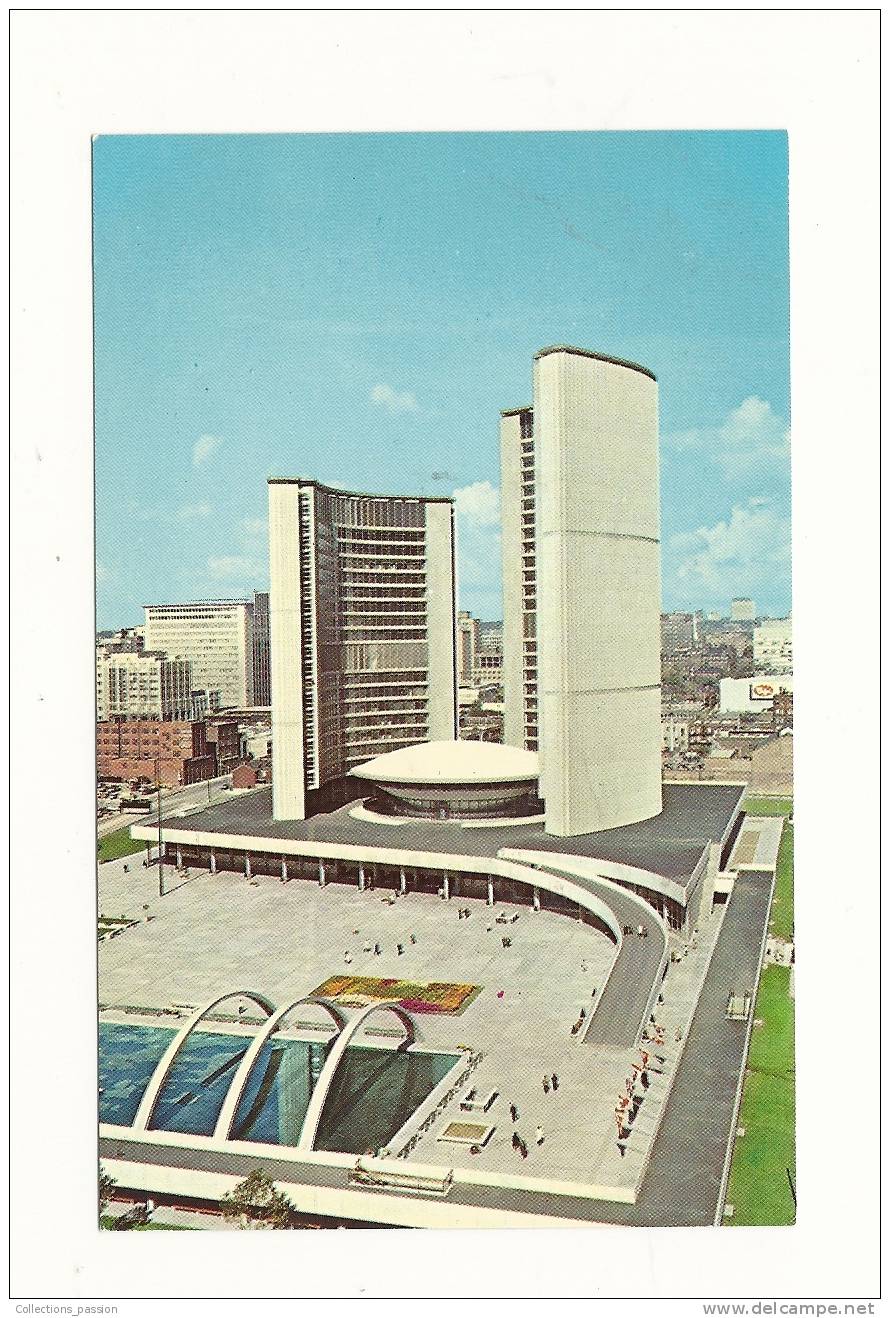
<point x="451" y="762"/>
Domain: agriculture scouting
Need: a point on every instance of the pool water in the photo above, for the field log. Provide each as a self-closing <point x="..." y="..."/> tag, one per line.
<point x="374" y="1092"/>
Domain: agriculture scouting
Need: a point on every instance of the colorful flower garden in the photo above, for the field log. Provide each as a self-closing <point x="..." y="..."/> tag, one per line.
<point x="359" y="990"/>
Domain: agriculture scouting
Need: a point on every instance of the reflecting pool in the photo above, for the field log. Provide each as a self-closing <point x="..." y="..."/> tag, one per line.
<point x="374" y="1092"/>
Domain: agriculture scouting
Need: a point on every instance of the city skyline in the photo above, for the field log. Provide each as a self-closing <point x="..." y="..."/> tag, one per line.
<point x="359" y="309"/>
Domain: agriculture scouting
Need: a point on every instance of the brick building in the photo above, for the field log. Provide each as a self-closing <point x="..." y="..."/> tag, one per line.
<point x="224" y="742"/>
<point x="141" y="748"/>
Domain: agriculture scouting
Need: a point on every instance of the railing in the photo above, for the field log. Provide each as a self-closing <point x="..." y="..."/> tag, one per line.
<point x="404" y="1182"/>
<point x="473" y="1060"/>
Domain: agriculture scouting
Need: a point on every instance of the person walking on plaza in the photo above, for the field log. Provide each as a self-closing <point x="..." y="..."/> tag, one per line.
<point x="514" y="1112"/>
<point x="554" y="1080"/>
<point x="546" y="1084"/>
<point x="539" y="1135"/>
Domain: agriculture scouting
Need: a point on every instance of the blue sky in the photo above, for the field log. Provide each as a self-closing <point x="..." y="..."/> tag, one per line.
<point x="358" y="308"/>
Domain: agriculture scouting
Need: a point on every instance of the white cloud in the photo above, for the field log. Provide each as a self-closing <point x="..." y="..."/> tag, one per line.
<point x="479" y="504"/>
<point x="752" y="438"/>
<point x="479" y="547"/>
<point x="745" y="554"/>
<point x="194" y="512"/>
<point x="102" y="572"/>
<point x="383" y="395"/>
<point x="204" y="448"/>
<point x="228" y="566"/>
<point x="255" y="526"/>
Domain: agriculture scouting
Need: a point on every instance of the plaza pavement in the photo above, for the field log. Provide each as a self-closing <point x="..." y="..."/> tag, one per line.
<point x="216" y="932"/>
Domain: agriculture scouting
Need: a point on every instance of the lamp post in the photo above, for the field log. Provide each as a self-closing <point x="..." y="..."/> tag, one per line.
<point x="160" y="840"/>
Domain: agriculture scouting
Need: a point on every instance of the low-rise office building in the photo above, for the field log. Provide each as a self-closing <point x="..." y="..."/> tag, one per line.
<point x="752" y="695"/>
<point x="674" y="733"/>
<point x="773" y="652"/>
<point x="131" y="684"/>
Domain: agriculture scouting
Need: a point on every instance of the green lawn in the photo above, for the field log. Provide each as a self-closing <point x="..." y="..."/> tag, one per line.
<point x="768" y="805"/>
<point x="758" y="1179"/>
<point x="114" y="845"/>
<point x="758" y="1182"/>
<point x="764" y="1155"/>
<point x="782" y="913"/>
<point x="781" y="921"/>
<point x="772" y="1043"/>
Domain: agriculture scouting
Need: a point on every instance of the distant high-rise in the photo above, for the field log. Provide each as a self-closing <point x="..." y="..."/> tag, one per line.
<point x="467" y="646"/>
<point x="362" y="627"/>
<point x="262" y="684"/>
<point x="742" y="610"/>
<point x="579" y="478"/>
<point x="216" y="636"/>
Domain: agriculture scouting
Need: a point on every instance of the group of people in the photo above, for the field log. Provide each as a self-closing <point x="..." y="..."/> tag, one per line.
<point x="376" y="948"/>
<point x="520" y="1145"/>
<point x="550" y="1084"/>
<point x="654" y="1033"/>
<point x="631" y="1099"/>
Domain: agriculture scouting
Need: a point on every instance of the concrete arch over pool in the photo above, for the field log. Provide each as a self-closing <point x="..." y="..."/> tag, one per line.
<point x="226" y="1119"/>
<point x="320" y="1093"/>
<point x="149" y="1100"/>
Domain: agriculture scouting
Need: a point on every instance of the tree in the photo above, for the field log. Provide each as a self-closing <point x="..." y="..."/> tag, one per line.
<point x="106" y="1189"/>
<point x="136" y="1216"/>
<point x="258" y="1205"/>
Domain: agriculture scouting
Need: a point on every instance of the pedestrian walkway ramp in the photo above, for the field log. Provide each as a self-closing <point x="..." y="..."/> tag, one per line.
<point x="623" y="1006"/>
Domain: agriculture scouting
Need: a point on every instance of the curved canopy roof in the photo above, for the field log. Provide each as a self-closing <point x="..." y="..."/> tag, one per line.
<point x="451" y="762"/>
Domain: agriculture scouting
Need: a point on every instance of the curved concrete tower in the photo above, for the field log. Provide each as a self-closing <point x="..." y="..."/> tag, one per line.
<point x="598" y="590"/>
<point x="362" y="632"/>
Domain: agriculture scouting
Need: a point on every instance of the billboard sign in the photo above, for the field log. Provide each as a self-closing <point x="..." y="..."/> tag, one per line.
<point x="764" y="688"/>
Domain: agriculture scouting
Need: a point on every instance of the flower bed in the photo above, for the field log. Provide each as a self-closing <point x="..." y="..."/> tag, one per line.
<point x="442" y="998"/>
